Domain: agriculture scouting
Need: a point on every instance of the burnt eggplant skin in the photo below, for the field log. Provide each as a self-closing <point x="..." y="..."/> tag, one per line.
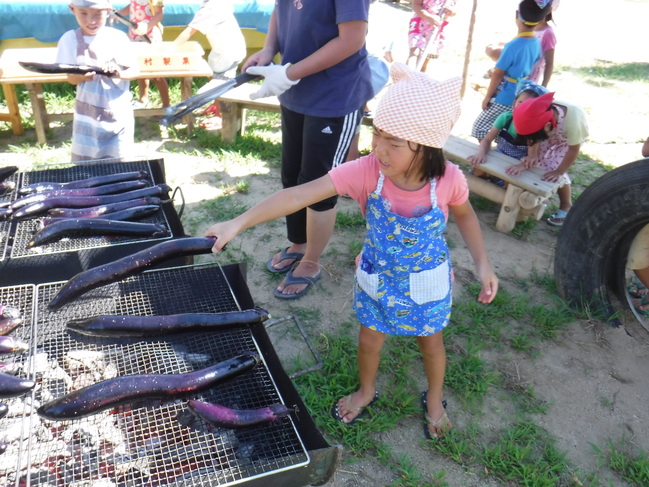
<point x="148" y="326"/>
<point x="115" y="188"/>
<point x="86" y="201"/>
<point x="7" y="325"/>
<point x="128" y="214"/>
<point x="99" y="211"/>
<point x="131" y="388"/>
<point x="7" y="171"/>
<point x="5" y="213"/>
<point x="128" y="266"/>
<point x="237" y="418"/>
<point x="4" y="409"/>
<point x="84" y="183"/>
<point x="95" y="226"/>
<point x="9" y="344"/>
<point x="12" y="386"/>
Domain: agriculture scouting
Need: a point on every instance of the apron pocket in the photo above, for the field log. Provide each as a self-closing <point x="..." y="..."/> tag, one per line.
<point x="430" y="285"/>
<point x="368" y="283"/>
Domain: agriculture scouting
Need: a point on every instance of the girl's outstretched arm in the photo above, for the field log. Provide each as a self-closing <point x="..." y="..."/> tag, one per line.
<point x="279" y="204"/>
<point x="467" y="222"/>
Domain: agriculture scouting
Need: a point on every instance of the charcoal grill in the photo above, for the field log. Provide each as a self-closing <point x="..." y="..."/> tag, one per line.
<point x="66" y="257"/>
<point x="161" y="443"/>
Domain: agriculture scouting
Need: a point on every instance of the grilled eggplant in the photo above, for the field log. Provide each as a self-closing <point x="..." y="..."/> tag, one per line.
<point x="128" y="266"/>
<point x="131" y="388"/>
<point x="121" y="215"/>
<point x="146" y="326"/>
<point x="7" y="171"/>
<point x="12" y="386"/>
<point x="99" y="211"/>
<point x="9" y="344"/>
<point x="237" y="418"/>
<point x="95" y="226"/>
<point x="7" y="325"/>
<point x="84" y="183"/>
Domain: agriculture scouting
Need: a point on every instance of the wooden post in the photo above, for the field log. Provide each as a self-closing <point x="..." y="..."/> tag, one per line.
<point x="41" y="122"/>
<point x="469" y="43"/>
<point x="509" y="210"/>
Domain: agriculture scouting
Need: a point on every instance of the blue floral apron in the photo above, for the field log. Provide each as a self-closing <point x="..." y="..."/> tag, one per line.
<point x="403" y="281"/>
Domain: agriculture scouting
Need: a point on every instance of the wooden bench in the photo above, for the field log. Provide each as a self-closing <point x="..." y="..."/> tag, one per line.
<point x="149" y="55"/>
<point x="234" y="104"/>
<point x="525" y="195"/>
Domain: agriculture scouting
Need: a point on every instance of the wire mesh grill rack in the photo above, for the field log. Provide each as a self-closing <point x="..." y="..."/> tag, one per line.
<point x="25" y="229"/>
<point x="14" y="428"/>
<point x="150" y="443"/>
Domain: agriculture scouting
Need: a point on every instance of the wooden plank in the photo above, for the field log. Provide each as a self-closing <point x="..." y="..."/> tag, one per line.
<point x="459" y="150"/>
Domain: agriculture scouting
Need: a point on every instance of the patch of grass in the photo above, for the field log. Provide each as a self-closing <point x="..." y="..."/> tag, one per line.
<point x="350" y="219"/>
<point x="480" y="203"/>
<point x="627" y="461"/>
<point x="523" y="229"/>
<point x="617" y="72"/>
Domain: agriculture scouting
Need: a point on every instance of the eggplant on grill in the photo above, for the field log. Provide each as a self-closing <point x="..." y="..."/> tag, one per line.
<point x="98" y="211"/>
<point x="131" y="388"/>
<point x="146" y="326"/>
<point x="128" y="266"/>
<point x="84" y="183"/>
<point x="237" y="418"/>
<point x="95" y="226"/>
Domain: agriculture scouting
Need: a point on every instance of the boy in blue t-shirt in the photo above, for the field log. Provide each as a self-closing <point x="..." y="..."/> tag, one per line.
<point x="515" y="63"/>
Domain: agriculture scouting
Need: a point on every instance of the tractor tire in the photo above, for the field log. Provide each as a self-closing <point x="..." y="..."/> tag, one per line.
<point x="595" y="238"/>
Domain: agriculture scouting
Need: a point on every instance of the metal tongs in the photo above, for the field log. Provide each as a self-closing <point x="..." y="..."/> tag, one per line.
<point x="192" y="103"/>
<point x="133" y="25"/>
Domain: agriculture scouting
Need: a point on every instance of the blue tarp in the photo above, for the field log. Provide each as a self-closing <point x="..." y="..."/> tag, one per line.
<point x="47" y="20"/>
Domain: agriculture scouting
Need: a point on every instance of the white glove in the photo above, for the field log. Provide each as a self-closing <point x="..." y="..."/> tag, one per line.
<point x="275" y="80"/>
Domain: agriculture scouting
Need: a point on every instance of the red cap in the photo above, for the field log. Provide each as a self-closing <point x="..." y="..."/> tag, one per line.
<point x="532" y="115"/>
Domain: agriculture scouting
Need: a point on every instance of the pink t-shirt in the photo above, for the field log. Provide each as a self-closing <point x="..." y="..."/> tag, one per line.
<point x="359" y="178"/>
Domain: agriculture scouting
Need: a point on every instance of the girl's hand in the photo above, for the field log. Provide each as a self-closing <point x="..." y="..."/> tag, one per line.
<point x="553" y="176"/>
<point x="516" y="169"/>
<point x="224" y="232"/>
<point x="486" y="102"/>
<point x="529" y="162"/>
<point x="477" y="159"/>
<point x="142" y="29"/>
<point x="489" y="285"/>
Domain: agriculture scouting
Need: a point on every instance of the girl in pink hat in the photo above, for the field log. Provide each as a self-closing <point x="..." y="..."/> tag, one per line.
<point x="405" y="189"/>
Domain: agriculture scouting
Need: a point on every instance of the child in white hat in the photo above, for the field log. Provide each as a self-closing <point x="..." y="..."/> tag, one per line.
<point x="103" y="125"/>
<point x="405" y="189"/>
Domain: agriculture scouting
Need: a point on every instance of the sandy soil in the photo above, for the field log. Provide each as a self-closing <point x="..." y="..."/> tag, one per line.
<point x="592" y="376"/>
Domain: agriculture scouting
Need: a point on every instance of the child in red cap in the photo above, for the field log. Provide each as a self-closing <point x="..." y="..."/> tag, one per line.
<point x="560" y="128"/>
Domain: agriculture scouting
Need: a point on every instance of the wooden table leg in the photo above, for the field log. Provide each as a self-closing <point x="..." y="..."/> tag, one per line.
<point x="509" y="209"/>
<point x="186" y="92"/>
<point x="41" y="121"/>
<point x="13" y="114"/>
<point x="231" y="117"/>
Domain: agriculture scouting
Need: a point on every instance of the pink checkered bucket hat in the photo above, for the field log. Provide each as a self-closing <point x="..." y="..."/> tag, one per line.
<point x="418" y="108"/>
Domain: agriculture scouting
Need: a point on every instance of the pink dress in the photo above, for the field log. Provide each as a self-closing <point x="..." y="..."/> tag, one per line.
<point x="419" y="30"/>
<point x="548" y="41"/>
<point x="143" y="11"/>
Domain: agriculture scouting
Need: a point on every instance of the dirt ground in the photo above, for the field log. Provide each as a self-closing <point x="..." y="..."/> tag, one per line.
<point x="592" y="376"/>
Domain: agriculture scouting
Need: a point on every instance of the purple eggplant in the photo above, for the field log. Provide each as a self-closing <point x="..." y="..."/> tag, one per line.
<point x="5" y="213"/>
<point x="79" y="192"/>
<point x="10" y="367"/>
<point x="128" y="266"/>
<point x="132" y="388"/>
<point x="99" y="211"/>
<point x="9" y="344"/>
<point x="84" y="183"/>
<point x="12" y="386"/>
<point x="146" y="326"/>
<point x="7" y="186"/>
<point x="121" y="215"/>
<point x="93" y="227"/>
<point x="237" y="418"/>
<point x="4" y="409"/>
<point x="7" y="325"/>
<point x="9" y="311"/>
<point x="7" y="171"/>
<point x="86" y="201"/>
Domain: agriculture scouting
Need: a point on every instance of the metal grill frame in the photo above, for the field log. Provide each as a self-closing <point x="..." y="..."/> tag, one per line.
<point x="115" y="298"/>
<point x="5" y="226"/>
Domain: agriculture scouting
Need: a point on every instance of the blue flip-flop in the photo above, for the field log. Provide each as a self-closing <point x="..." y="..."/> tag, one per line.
<point x="283" y="255"/>
<point x="291" y="279"/>
<point x="443" y="421"/>
<point x="362" y="413"/>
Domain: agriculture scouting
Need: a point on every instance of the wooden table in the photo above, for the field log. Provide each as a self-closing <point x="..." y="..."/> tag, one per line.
<point x="163" y="60"/>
